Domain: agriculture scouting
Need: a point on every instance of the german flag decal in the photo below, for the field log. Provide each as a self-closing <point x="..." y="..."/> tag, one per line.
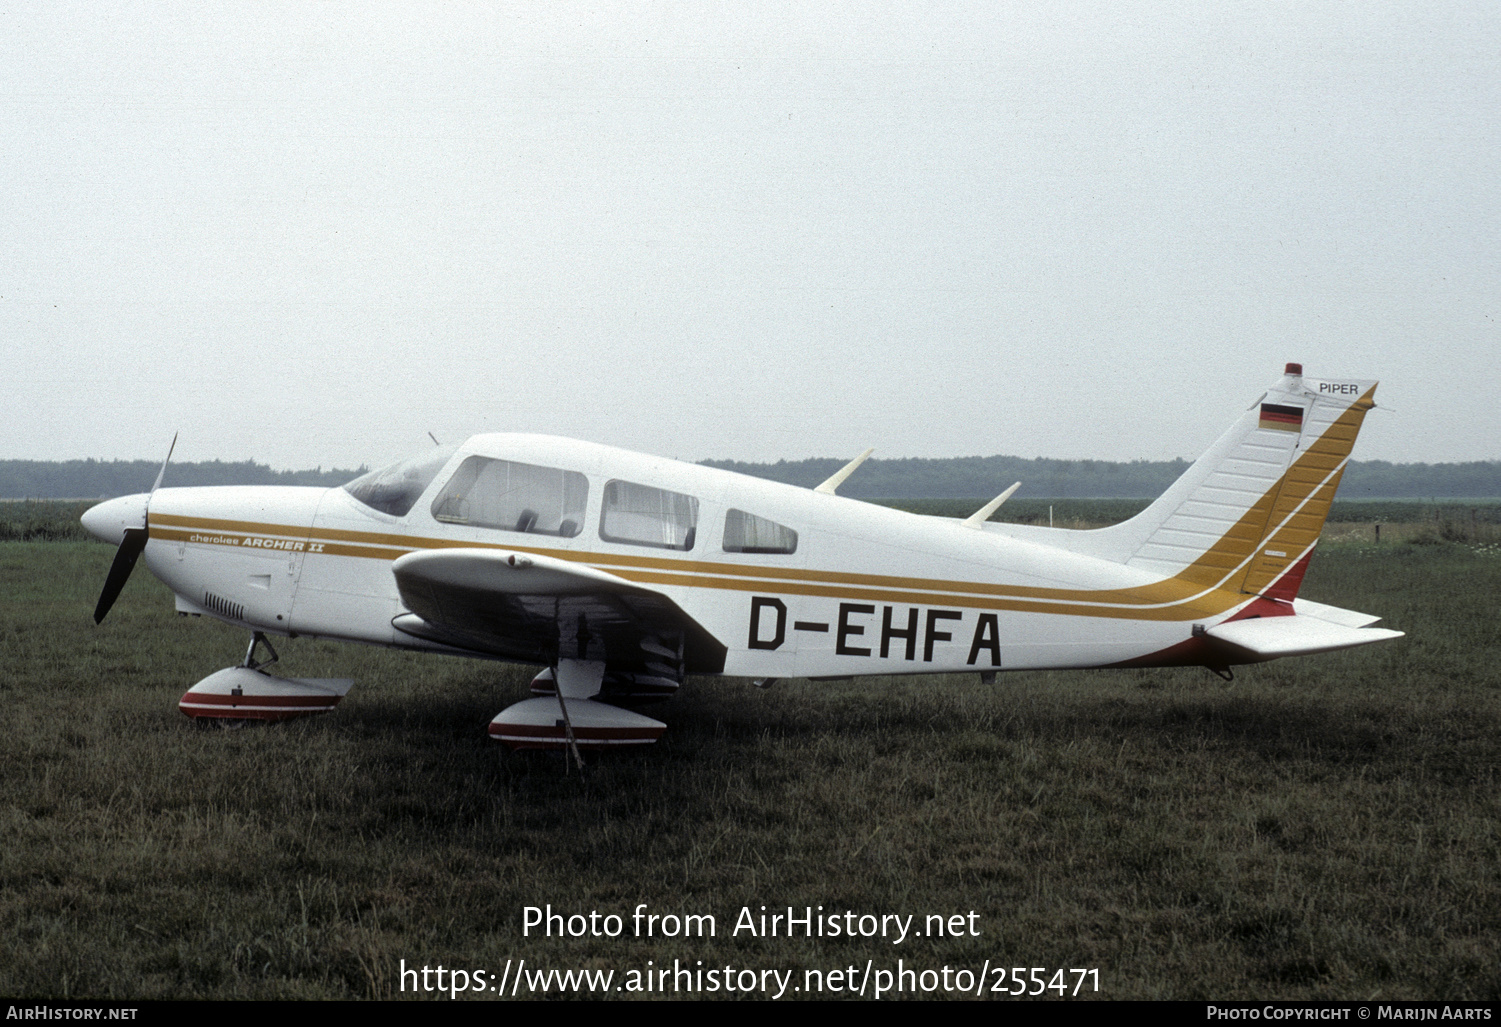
<point x="1274" y="415"/>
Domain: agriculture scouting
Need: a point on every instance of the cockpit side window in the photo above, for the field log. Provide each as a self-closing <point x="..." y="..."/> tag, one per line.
<point x="514" y="497"/>
<point x="747" y="533"/>
<point x="394" y="489"/>
<point x="640" y="515"/>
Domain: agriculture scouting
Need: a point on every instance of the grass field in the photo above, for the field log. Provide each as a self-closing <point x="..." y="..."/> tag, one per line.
<point x="1324" y="827"/>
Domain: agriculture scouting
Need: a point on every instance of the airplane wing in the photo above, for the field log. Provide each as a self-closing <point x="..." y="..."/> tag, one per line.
<point x="535" y="609"/>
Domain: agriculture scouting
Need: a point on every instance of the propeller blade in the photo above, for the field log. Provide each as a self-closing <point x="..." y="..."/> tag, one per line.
<point x="163" y="472"/>
<point x="131" y="547"/>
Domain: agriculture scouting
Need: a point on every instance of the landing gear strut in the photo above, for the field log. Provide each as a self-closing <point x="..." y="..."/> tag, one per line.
<point x="257" y="639"/>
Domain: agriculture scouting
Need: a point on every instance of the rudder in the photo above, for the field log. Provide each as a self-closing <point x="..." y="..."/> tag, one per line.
<point x="1248" y="512"/>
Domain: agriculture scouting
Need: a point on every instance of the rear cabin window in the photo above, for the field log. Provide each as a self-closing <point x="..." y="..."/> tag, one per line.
<point x="640" y="515"/>
<point x="513" y="496"/>
<point x="747" y="533"/>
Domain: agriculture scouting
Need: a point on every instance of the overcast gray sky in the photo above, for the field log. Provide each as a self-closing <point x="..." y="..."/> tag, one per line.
<point x="309" y="234"/>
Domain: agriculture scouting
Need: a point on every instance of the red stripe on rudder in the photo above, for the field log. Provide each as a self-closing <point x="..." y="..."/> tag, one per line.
<point x="1276" y="601"/>
<point x="1261" y="606"/>
<point x="1286" y="587"/>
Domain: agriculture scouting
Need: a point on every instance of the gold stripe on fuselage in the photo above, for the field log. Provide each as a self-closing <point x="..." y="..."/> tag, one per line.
<point x="777" y="580"/>
<point x="1306" y="487"/>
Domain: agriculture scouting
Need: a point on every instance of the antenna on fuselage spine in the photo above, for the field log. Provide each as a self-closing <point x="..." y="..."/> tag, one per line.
<point x="977" y="519"/>
<point x="837" y="478"/>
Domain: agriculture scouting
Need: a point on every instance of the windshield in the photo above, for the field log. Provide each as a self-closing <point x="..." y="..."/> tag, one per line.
<point x="394" y="489"/>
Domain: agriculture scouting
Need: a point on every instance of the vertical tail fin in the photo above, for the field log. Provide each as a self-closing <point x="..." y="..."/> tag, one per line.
<point x="1247" y="514"/>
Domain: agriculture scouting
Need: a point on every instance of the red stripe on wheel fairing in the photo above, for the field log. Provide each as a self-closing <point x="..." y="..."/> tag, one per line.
<point x="322" y="702"/>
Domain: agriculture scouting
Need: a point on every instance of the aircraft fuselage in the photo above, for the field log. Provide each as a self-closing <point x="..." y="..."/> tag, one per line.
<point x="863" y="590"/>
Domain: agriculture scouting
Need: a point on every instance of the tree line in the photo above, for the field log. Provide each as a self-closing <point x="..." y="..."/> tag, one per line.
<point x="103" y="479"/>
<point x="908" y="478"/>
<point x="975" y="476"/>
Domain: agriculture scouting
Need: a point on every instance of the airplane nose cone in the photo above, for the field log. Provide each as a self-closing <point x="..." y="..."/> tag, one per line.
<point x="108" y="521"/>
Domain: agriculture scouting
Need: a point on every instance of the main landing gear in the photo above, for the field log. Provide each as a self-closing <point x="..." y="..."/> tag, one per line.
<point x="570" y="717"/>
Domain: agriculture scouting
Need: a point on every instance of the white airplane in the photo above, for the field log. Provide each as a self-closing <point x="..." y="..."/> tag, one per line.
<point x="620" y="573"/>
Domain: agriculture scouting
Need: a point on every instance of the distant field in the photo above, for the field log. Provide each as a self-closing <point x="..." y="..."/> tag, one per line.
<point x="1100" y="512"/>
<point x="956" y="476"/>
<point x="1326" y="827"/>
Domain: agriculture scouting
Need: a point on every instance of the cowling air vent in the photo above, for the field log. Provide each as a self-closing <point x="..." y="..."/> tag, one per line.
<point x="223" y="607"/>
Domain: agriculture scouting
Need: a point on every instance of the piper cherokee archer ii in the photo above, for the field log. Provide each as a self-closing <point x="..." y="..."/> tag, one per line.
<point x="620" y="573"/>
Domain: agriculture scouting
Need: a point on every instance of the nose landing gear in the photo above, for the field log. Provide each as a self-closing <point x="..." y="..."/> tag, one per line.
<point x="247" y="692"/>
